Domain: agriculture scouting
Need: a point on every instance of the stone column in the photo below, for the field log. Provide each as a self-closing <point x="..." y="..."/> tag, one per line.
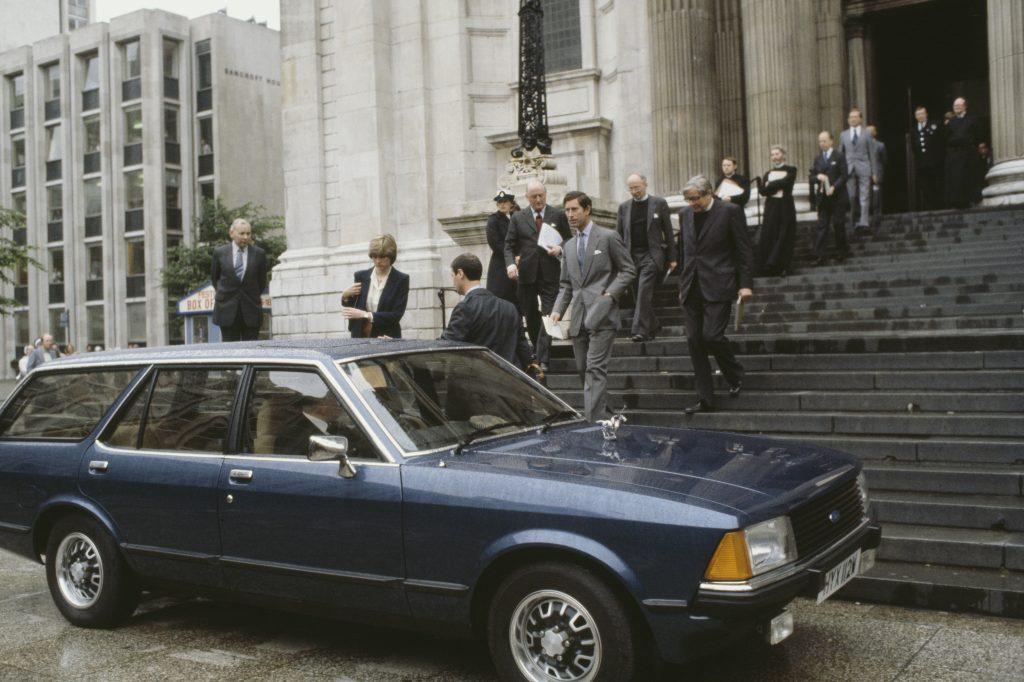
<point x="781" y="76"/>
<point x="683" y="91"/>
<point x="729" y="76"/>
<point x="1006" y="86"/>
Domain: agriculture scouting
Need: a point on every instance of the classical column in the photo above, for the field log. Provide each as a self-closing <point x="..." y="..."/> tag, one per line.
<point x="781" y="74"/>
<point x="729" y="75"/>
<point x="683" y="91"/>
<point x="1006" y="86"/>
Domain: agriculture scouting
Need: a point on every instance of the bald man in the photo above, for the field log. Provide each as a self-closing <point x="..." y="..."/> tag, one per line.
<point x="963" y="133"/>
<point x="239" y="274"/>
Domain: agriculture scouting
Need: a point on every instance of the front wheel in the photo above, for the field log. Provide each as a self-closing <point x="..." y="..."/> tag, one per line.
<point x="556" y="622"/>
<point x="88" y="578"/>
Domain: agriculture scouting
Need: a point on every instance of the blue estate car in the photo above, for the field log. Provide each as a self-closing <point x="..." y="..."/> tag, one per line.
<point x="423" y="484"/>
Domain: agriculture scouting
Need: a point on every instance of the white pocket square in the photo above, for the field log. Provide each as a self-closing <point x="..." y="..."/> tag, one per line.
<point x="655" y="215"/>
<point x="597" y="251"/>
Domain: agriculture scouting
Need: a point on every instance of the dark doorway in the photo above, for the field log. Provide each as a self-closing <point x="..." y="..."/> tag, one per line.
<point x="926" y="54"/>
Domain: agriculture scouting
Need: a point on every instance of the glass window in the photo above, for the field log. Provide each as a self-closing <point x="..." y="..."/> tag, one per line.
<point x="286" y="407"/>
<point x="190" y="409"/>
<point x="64" y="405"/>
<point x="17" y="91"/>
<point x="20" y="275"/>
<point x="172" y="184"/>
<point x="170" y="58"/>
<point x="78" y="14"/>
<point x="52" y="75"/>
<point x="56" y="266"/>
<point x="18" y="151"/>
<point x="434" y="400"/>
<point x="96" y="335"/>
<point x="170" y="124"/>
<point x="206" y="190"/>
<point x="131" y="59"/>
<point x="21" y="331"/>
<point x="136" y="323"/>
<point x="18" y="202"/>
<point x="136" y="255"/>
<point x="562" y="47"/>
<point x="58" y="331"/>
<point x="206" y="135"/>
<point x="133" y="190"/>
<point x="204" y="65"/>
<point x="91" y="130"/>
<point x="53" y="143"/>
<point x="54" y="204"/>
<point x="93" y="197"/>
<point x="91" y="68"/>
<point x="95" y="255"/>
<point x="133" y="125"/>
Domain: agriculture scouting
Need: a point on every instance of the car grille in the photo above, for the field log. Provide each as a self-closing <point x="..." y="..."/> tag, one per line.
<point x="813" y="527"/>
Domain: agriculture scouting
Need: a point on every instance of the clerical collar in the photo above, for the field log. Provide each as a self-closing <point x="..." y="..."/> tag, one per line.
<point x="779" y="165"/>
<point x="642" y="199"/>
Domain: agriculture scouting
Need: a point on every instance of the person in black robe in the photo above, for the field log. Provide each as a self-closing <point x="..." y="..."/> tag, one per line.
<point x="963" y="133"/>
<point x="729" y="167"/>
<point x="778" y="231"/>
<point x="498" y="282"/>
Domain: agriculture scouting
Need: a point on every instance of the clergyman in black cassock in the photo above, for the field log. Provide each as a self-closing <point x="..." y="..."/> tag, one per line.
<point x="778" y="231"/>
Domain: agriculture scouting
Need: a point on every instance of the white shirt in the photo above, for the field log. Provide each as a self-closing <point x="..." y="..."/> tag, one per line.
<point x="234" y="257"/>
<point x="478" y="286"/>
<point x="377" y="285"/>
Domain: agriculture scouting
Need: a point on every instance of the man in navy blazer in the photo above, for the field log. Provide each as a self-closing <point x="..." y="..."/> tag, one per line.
<point x="239" y="275"/>
<point x="718" y="264"/>
<point x="828" y="194"/>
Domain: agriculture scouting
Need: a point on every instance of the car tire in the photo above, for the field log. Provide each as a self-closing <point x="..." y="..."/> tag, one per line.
<point x="570" y="608"/>
<point x="89" y="580"/>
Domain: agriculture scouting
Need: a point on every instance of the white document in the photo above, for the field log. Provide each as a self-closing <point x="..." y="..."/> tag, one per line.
<point x="556" y="330"/>
<point x="776" y="175"/>
<point x="729" y="188"/>
<point x="548" y="236"/>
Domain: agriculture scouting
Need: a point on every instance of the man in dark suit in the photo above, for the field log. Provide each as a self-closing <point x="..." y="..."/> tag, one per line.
<point x="596" y="269"/>
<point x="645" y="225"/>
<point x="536" y="268"/>
<point x="239" y="275"/>
<point x="881" y="158"/>
<point x="729" y="181"/>
<point x="718" y="265"/>
<point x="926" y="139"/>
<point x="858" y="148"/>
<point x="483" y="318"/>
<point x="963" y="133"/>
<point x="828" y="193"/>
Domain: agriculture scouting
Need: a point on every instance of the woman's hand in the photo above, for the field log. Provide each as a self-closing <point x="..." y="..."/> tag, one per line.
<point x="352" y="291"/>
<point x="353" y="313"/>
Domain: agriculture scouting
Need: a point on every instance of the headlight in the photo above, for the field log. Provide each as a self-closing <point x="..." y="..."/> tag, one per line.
<point x="742" y="554"/>
<point x="862" y="487"/>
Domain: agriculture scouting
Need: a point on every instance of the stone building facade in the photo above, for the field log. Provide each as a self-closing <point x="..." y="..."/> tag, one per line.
<point x="399" y="116"/>
<point x="111" y="136"/>
<point x="26" y="21"/>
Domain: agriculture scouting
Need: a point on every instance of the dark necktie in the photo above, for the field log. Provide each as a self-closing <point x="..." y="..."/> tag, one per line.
<point x="239" y="266"/>
<point x="855" y="136"/>
<point x="539" y="219"/>
<point x="581" y="249"/>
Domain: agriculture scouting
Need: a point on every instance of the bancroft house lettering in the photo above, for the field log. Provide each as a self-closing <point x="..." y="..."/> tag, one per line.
<point x="250" y="76"/>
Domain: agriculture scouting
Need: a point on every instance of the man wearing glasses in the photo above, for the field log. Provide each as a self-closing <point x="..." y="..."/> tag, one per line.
<point x="717" y="267"/>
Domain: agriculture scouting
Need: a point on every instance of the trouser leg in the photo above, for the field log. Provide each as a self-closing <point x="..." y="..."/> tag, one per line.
<point x="693" y="320"/>
<point x="716" y="320"/>
<point x="821" y="229"/>
<point x="645" y="323"/>
<point x="595" y="386"/>
<point x="527" y="294"/>
<point x="548" y="292"/>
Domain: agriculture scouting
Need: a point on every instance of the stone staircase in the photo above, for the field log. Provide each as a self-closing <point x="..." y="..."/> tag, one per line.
<point x="910" y="356"/>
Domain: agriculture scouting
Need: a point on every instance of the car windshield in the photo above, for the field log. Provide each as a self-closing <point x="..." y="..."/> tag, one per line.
<point x="439" y="399"/>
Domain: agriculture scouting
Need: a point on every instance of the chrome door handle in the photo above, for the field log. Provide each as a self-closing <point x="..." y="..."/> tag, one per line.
<point x="240" y="475"/>
<point x="98" y="466"/>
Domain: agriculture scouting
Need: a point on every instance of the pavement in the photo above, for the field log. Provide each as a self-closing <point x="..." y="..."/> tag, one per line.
<point x="195" y="639"/>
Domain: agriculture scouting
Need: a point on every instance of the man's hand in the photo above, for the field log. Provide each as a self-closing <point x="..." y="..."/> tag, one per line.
<point x="822" y="177"/>
<point x="745" y="294"/>
<point x="513" y="271"/>
<point x="672" y="266"/>
<point x="556" y="317"/>
<point x="555" y="251"/>
<point x="728" y="199"/>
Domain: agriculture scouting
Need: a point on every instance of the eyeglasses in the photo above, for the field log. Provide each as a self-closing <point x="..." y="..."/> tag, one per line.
<point x="693" y="200"/>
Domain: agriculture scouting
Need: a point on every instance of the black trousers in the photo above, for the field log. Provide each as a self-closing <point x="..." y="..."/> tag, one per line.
<point x="831" y="217"/>
<point x="528" y="295"/>
<point x="929" y="188"/>
<point x="238" y="331"/>
<point x="705" y="323"/>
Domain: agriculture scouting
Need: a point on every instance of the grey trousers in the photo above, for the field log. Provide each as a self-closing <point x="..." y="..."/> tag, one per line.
<point x="858" y="187"/>
<point x="593" y="350"/>
<point x="645" y="322"/>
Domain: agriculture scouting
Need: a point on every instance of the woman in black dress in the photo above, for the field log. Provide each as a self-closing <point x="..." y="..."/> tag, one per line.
<point x="498" y="282"/>
<point x="778" y="231"/>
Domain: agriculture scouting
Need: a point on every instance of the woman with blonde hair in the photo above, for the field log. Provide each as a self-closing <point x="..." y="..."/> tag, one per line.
<point x="375" y="303"/>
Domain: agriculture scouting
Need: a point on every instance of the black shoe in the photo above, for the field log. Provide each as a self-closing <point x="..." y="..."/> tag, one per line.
<point x="702" y="406"/>
<point x="637" y="338"/>
<point x="734" y="391"/>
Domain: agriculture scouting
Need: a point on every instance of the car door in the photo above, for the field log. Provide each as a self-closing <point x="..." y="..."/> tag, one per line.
<point x="297" y="529"/>
<point x="154" y="470"/>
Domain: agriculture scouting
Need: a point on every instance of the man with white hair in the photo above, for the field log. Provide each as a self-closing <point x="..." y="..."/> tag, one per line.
<point x="963" y="133"/>
<point x="44" y="352"/>
<point x="239" y="275"/>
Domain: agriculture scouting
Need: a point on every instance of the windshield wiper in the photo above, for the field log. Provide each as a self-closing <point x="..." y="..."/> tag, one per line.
<point x="549" y="420"/>
<point x="478" y="433"/>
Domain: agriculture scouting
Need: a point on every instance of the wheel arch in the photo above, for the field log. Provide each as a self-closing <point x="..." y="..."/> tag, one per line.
<point x="59" y="508"/>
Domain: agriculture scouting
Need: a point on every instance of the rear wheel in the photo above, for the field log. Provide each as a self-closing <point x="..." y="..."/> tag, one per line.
<point x="557" y="622"/>
<point x="89" y="580"/>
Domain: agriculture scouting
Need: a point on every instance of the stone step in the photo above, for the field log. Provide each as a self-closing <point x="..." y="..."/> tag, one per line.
<point x="960" y="478"/>
<point x="908" y="451"/>
<point x="995" y="269"/>
<point x="952" y="546"/>
<point x="987" y="512"/>
<point x="946" y="588"/>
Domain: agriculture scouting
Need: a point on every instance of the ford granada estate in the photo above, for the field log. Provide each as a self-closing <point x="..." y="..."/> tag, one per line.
<point x="417" y="484"/>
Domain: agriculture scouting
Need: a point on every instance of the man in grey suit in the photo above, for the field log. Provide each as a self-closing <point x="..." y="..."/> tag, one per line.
<point x="645" y="225"/>
<point x="861" y="154"/>
<point x="596" y="269"/>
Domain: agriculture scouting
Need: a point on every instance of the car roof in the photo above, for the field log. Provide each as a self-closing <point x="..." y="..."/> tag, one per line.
<point x="294" y="349"/>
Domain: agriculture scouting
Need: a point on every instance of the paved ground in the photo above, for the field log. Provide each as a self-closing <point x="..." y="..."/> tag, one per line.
<point x="175" y="639"/>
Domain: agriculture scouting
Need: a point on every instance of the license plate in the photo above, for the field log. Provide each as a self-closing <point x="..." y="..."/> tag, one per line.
<point x="839" y="575"/>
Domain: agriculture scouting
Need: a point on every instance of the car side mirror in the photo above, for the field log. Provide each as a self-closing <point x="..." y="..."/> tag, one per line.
<point x="329" y="449"/>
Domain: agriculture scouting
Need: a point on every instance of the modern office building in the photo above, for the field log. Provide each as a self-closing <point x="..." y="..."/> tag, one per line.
<point x="111" y="136"/>
<point x="23" y="22"/>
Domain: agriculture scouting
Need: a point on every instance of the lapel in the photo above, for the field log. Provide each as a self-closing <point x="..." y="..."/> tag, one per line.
<point x="389" y="288"/>
<point x="709" y="222"/>
<point x="628" y="224"/>
<point x="588" y="258"/>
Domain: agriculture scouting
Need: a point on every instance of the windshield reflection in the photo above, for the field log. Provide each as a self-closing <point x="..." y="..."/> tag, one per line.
<point x="436" y="399"/>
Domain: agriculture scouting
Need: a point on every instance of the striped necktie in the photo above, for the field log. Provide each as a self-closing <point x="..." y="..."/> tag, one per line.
<point x="239" y="266"/>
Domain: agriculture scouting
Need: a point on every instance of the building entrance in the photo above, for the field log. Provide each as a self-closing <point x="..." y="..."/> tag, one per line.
<point x="925" y="54"/>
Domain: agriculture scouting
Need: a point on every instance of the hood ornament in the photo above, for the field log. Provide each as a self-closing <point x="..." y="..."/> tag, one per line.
<point x="611" y="425"/>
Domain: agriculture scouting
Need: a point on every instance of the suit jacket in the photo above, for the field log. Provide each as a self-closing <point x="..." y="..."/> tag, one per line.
<point x="881" y="156"/>
<point x="964" y="132"/>
<point x="927" y="144"/>
<point x="835" y="170"/>
<point x="234" y="295"/>
<point x="38" y="357"/>
<point x="741" y="180"/>
<point x="486" y="320"/>
<point x="722" y="259"/>
<point x="497" y="276"/>
<point x="390" y="307"/>
<point x="521" y="240"/>
<point x="861" y="158"/>
<point x="659" y="229"/>
<point x="607" y="268"/>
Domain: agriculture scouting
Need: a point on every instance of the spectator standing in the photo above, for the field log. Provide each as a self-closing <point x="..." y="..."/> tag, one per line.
<point x="239" y="275"/>
<point x="730" y="177"/>
<point x="375" y="303"/>
<point x="858" y="148"/>
<point x="596" y="269"/>
<point x="498" y="282"/>
<point x="23" y="361"/>
<point x="881" y="159"/>
<point x="778" y="231"/>
<point x="717" y="268"/>
<point x="828" y="194"/>
<point x="44" y="352"/>
<point x="963" y="133"/>
<point x="927" y="139"/>
<point x="645" y="225"/>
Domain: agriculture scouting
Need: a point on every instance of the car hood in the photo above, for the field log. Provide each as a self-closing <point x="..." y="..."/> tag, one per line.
<point x="744" y="473"/>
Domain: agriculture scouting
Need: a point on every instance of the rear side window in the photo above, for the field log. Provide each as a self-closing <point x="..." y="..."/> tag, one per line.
<point x="180" y="410"/>
<point x="64" y="405"/>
